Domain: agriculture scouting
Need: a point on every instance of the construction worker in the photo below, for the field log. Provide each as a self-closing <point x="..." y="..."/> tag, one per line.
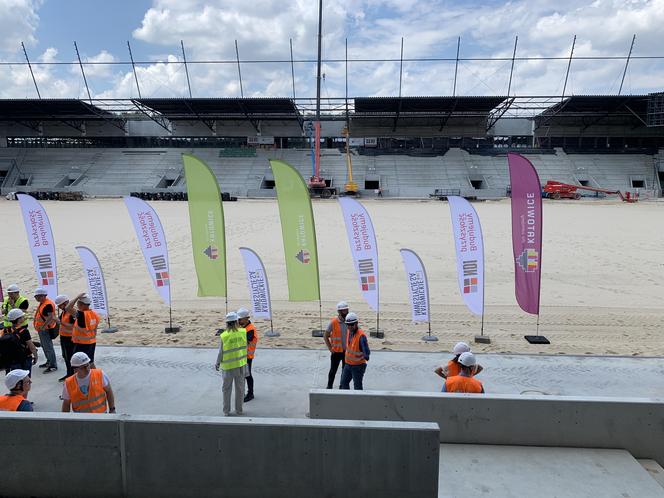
<point x="88" y="390"/>
<point x="46" y="325"/>
<point x="232" y="359"/>
<point x="20" y="351"/>
<point x="18" y="382"/>
<point x="453" y="368"/>
<point x="252" y="341"/>
<point x="84" y="335"/>
<point x="66" y="322"/>
<point x="464" y="382"/>
<point x="14" y="300"/>
<point x="356" y="355"/>
<point x="335" y="340"/>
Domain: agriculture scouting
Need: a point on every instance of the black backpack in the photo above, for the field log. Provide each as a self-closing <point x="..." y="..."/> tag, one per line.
<point x="11" y="349"/>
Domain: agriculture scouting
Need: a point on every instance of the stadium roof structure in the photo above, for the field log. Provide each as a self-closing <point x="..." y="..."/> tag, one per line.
<point x="590" y="110"/>
<point x="208" y="110"/>
<point x="442" y="109"/>
<point x="72" y="112"/>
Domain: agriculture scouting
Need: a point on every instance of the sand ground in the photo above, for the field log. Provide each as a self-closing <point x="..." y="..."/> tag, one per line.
<point x="602" y="280"/>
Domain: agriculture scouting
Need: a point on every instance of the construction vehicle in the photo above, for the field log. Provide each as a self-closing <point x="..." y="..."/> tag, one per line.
<point x="351" y="187"/>
<point x="557" y="190"/>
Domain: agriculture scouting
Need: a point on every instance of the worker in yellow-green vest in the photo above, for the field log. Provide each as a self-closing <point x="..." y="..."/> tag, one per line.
<point x="232" y="360"/>
<point x="14" y="300"/>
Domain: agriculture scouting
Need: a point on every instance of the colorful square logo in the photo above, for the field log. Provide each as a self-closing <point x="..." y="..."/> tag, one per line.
<point x="47" y="278"/>
<point x="528" y="260"/>
<point x="469" y="285"/>
<point x="161" y="278"/>
<point x="369" y="283"/>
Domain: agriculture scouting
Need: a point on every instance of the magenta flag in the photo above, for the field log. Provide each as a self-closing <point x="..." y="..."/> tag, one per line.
<point x="526" y="232"/>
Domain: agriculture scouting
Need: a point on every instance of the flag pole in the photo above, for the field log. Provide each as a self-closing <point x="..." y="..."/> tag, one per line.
<point x="170" y="329"/>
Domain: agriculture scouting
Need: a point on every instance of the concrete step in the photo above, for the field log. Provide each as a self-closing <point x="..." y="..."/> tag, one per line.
<point x="519" y="471"/>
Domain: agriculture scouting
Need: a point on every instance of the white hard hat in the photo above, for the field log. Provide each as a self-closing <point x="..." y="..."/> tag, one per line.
<point x="342" y="305"/>
<point x="79" y="359"/>
<point x="461" y="347"/>
<point x="40" y="291"/>
<point x="62" y="298"/>
<point x="467" y="359"/>
<point x="12" y="288"/>
<point x="15" y="314"/>
<point x="231" y="317"/>
<point x="351" y="318"/>
<point x="243" y="313"/>
<point x="14" y="377"/>
<point x="85" y="299"/>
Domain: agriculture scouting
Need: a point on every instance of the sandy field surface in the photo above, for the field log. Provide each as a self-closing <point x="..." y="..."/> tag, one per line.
<point x="602" y="280"/>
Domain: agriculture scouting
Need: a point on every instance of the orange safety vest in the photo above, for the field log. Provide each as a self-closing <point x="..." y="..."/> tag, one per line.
<point x="251" y="346"/>
<point x="87" y="334"/>
<point x="335" y="336"/>
<point x="95" y="401"/>
<point x="354" y="354"/>
<point x="462" y="384"/>
<point x="66" y="327"/>
<point x="10" y="402"/>
<point x="39" y="320"/>
<point x="453" y="368"/>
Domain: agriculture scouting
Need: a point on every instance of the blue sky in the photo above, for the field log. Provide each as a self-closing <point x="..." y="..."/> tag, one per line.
<point x="374" y="29"/>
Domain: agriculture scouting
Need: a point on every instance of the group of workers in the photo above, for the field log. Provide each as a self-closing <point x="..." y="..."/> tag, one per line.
<point x="87" y="389"/>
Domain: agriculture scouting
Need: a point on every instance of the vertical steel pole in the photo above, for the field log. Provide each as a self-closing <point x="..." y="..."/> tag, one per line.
<point x="30" y="68"/>
<point x="569" y="65"/>
<point x="456" y="67"/>
<point x="627" y="64"/>
<point x="401" y="67"/>
<point x="509" y="85"/>
<point x="292" y="66"/>
<point x="78" y="55"/>
<point x="239" y="72"/>
<point x="186" y="69"/>
<point x="133" y="66"/>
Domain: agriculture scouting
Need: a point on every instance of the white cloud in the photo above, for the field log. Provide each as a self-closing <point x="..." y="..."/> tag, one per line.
<point x="374" y="29"/>
<point x="18" y="22"/>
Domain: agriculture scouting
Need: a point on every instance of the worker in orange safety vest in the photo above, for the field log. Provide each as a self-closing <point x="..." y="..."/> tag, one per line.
<point x="464" y="382"/>
<point x="335" y="340"/>
<point x="356" y="355"/>
<point x="18" y="382"/>
<point x="452" y="367"/>
<point x="84" y="335"/>
<point x="252" y="340"/>
<point x="88" y="390"/>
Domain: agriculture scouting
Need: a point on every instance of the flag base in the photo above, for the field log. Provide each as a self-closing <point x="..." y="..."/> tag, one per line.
<point x="109" y="330"/>
<point x="536" y="339"/>
<point x="272" y="333"/>
<point x="317" y="333"/>
<point x="429" y="338"/>
<point x="172" y="330"/>
<point x="378" y="334"/>
<point x="482" y="339"/>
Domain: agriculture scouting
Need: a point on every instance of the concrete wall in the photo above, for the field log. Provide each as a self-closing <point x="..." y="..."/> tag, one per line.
<point x="110" y="455"/>
<point x="636" y="425"/>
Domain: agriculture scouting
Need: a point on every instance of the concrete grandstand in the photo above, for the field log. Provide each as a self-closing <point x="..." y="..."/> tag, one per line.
<point x="406" y="147"/>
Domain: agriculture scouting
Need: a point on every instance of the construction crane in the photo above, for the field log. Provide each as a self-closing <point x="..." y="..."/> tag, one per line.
<point x="557" y="190"/>
<point x="351" y="187"/>
<point x="317" y="184"/>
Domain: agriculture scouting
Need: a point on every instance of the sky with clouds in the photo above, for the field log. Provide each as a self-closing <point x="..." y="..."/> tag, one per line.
<point x="373" y="28"/>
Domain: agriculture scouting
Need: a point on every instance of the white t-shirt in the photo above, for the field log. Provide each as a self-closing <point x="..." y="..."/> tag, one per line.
<point x="83" y="385"/>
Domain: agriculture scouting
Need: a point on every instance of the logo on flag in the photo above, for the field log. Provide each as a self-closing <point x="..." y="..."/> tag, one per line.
<point x="369" y="283"/>
<point x="211" y="252"/>
<point x="161" y="278"/>
<point x="469" y="285"/>
<point x="528" y="260"/>
<point x="47" y="278"/>
<point x="303" y="256"/>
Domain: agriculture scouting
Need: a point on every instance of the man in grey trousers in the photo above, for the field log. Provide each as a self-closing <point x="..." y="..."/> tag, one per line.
<point x="232" y="360"/>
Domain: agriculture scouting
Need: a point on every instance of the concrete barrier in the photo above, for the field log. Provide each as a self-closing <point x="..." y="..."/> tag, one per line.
<point x="636" y="425"/>
<point x="113" y="455"/>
